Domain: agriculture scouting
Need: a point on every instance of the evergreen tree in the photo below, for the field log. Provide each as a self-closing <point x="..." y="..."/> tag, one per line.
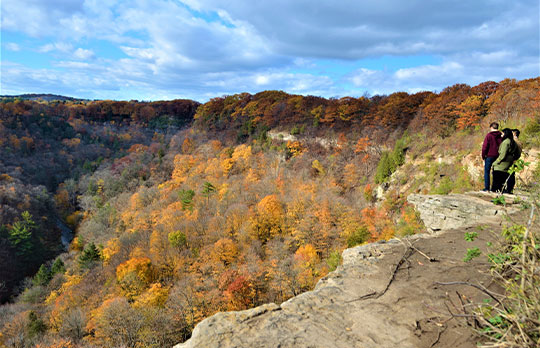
<point x="208" y="189"/>
<point x="58" y="267"/>
<point x="186" y="198"/>
<point x="43" y="276"/>
<point x="89" y="256"/>
<point x="35" y="326"/>
<point x="20" y="235"/>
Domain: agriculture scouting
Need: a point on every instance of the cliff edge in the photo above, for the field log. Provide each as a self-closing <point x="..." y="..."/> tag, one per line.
<point x="385" y="294"/>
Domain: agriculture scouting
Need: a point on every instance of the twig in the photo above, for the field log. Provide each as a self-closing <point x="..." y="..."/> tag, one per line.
<point x="481" y="288"/>
<point x="431" y="259"/>
<point x="524" y="245"/>
<point x="462" y="306"/>
<point x="452" y="315"/>
<point x="378" y="294"/>
<point x="439" y="333"/>
<point x="394" y="272"/>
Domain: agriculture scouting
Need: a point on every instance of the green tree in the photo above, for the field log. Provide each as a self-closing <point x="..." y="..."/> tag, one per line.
<point x="20" y="235"/>
<point x="390" y="161"/>
<point x="208" y="189"/>
<point x="89" y="256"/>
<point x="385" y="168"/>
<point x="186" y="198"/>
<point x="58" y="266"/>
<point x="43" y="276"/>
<point x="36" y="326"/>
<point x="177" y="239"/>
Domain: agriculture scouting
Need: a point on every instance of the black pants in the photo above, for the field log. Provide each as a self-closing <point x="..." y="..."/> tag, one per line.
<point x="511" y="183"/>
<point x="499" y="178"/>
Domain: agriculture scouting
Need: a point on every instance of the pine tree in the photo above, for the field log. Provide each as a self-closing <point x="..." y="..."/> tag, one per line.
<point x="20" y="235"/>
<point x="186" y="198"/>
<point x="89" y="256"/>
<point x="58" y="267"/>
<point x="208" y="189"/>
<point x="43" y="276"/>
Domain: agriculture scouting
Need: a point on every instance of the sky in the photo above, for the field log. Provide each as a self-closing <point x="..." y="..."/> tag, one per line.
<point x="200" y="49"/>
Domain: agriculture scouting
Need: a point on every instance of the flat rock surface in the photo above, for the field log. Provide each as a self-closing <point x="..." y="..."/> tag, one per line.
<point x="440" y="212"/>
<point x="385" y="294"/>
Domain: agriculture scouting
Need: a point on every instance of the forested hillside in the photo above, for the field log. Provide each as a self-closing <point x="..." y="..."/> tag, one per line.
<point x="44" y="144"/>
<point x="252" y="202"/>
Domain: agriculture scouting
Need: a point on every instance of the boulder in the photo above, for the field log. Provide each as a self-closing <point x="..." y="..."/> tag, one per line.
<point x="441" y="212"/>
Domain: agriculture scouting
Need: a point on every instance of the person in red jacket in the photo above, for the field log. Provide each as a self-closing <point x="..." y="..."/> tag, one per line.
<point x="490" y="151"/>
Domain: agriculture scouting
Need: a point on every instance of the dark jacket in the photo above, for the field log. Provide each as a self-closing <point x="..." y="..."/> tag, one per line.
<point x="490" y="148"/>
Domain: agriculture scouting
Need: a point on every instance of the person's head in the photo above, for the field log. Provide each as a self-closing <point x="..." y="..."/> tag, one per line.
<point x="507" y="134"/>
<point x="516" y="133"/>
<point x="494" y="126"/>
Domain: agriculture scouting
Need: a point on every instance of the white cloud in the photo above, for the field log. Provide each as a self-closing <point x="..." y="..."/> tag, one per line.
<point x="61" y="47"/>
<point x="83" y="54"/>
<point x="210" y="47"/>
<point x="261" y="80"/>
<point x="365" y="77"/>
<point x="12" y="46"/>
<point x="352" y="29"/>
<point x="73" y="64"/>
<point x="427" y="72"/>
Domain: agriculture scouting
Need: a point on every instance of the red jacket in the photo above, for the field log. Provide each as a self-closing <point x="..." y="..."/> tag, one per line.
<point x="490" y="148"/>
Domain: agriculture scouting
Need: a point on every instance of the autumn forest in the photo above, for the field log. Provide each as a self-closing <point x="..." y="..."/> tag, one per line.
<point x="127" y="223"/>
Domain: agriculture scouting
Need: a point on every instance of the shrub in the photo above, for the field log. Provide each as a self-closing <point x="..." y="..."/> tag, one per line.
<point x="390" y="161"/>
<point x="359" y="236"/>
<point x="36" y="326"/>
<point x="334" y="260"/>
<point x="177" y="239"/>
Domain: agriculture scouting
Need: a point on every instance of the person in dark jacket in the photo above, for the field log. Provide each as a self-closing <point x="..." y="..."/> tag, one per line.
<point x="490" y="151"/>
<point x="501" y="165"/>
<point x="516" y="155"/>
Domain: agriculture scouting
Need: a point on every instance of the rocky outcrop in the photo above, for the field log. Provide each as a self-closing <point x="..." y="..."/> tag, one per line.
<point x="440" y="212"/>
<point x="385" y="294"/>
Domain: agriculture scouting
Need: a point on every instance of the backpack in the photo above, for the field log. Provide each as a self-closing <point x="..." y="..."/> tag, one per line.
<point x="515" y="152"/>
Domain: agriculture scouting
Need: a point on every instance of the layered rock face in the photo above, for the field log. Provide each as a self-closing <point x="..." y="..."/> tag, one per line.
<point x="385" y="294"/>
<point x="442" y="212"/>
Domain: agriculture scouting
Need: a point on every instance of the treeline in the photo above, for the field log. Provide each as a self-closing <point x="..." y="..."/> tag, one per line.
<point x="455" y="108"/>
<point x="49" y="140"/>
<point x="177" y="112"/>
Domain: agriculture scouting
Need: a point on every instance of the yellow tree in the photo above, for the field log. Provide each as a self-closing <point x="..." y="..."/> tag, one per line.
<point x="224" y="251"/>
<point x="135" y="275"/>
<point x="306" y="261"/>
<point x="268" y="220"/>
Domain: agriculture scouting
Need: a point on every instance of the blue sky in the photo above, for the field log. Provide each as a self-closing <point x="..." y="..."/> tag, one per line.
<point x="199" y="49"/>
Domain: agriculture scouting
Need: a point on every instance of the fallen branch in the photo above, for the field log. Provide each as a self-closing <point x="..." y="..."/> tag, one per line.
<point x="378" y="294"/>
<point x="481" y="288"/>
<point x="410" y="245"/>
<point x="439" y="333"/>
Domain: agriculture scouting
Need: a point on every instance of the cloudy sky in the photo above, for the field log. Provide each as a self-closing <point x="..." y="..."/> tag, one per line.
<point x="199" y="49"/>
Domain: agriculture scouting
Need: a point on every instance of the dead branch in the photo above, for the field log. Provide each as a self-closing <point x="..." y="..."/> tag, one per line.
<point x="481" y="288"/>
<point x="378" y="294"/>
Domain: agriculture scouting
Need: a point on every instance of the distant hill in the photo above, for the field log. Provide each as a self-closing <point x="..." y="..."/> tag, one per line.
<point x="45" y="97"/>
